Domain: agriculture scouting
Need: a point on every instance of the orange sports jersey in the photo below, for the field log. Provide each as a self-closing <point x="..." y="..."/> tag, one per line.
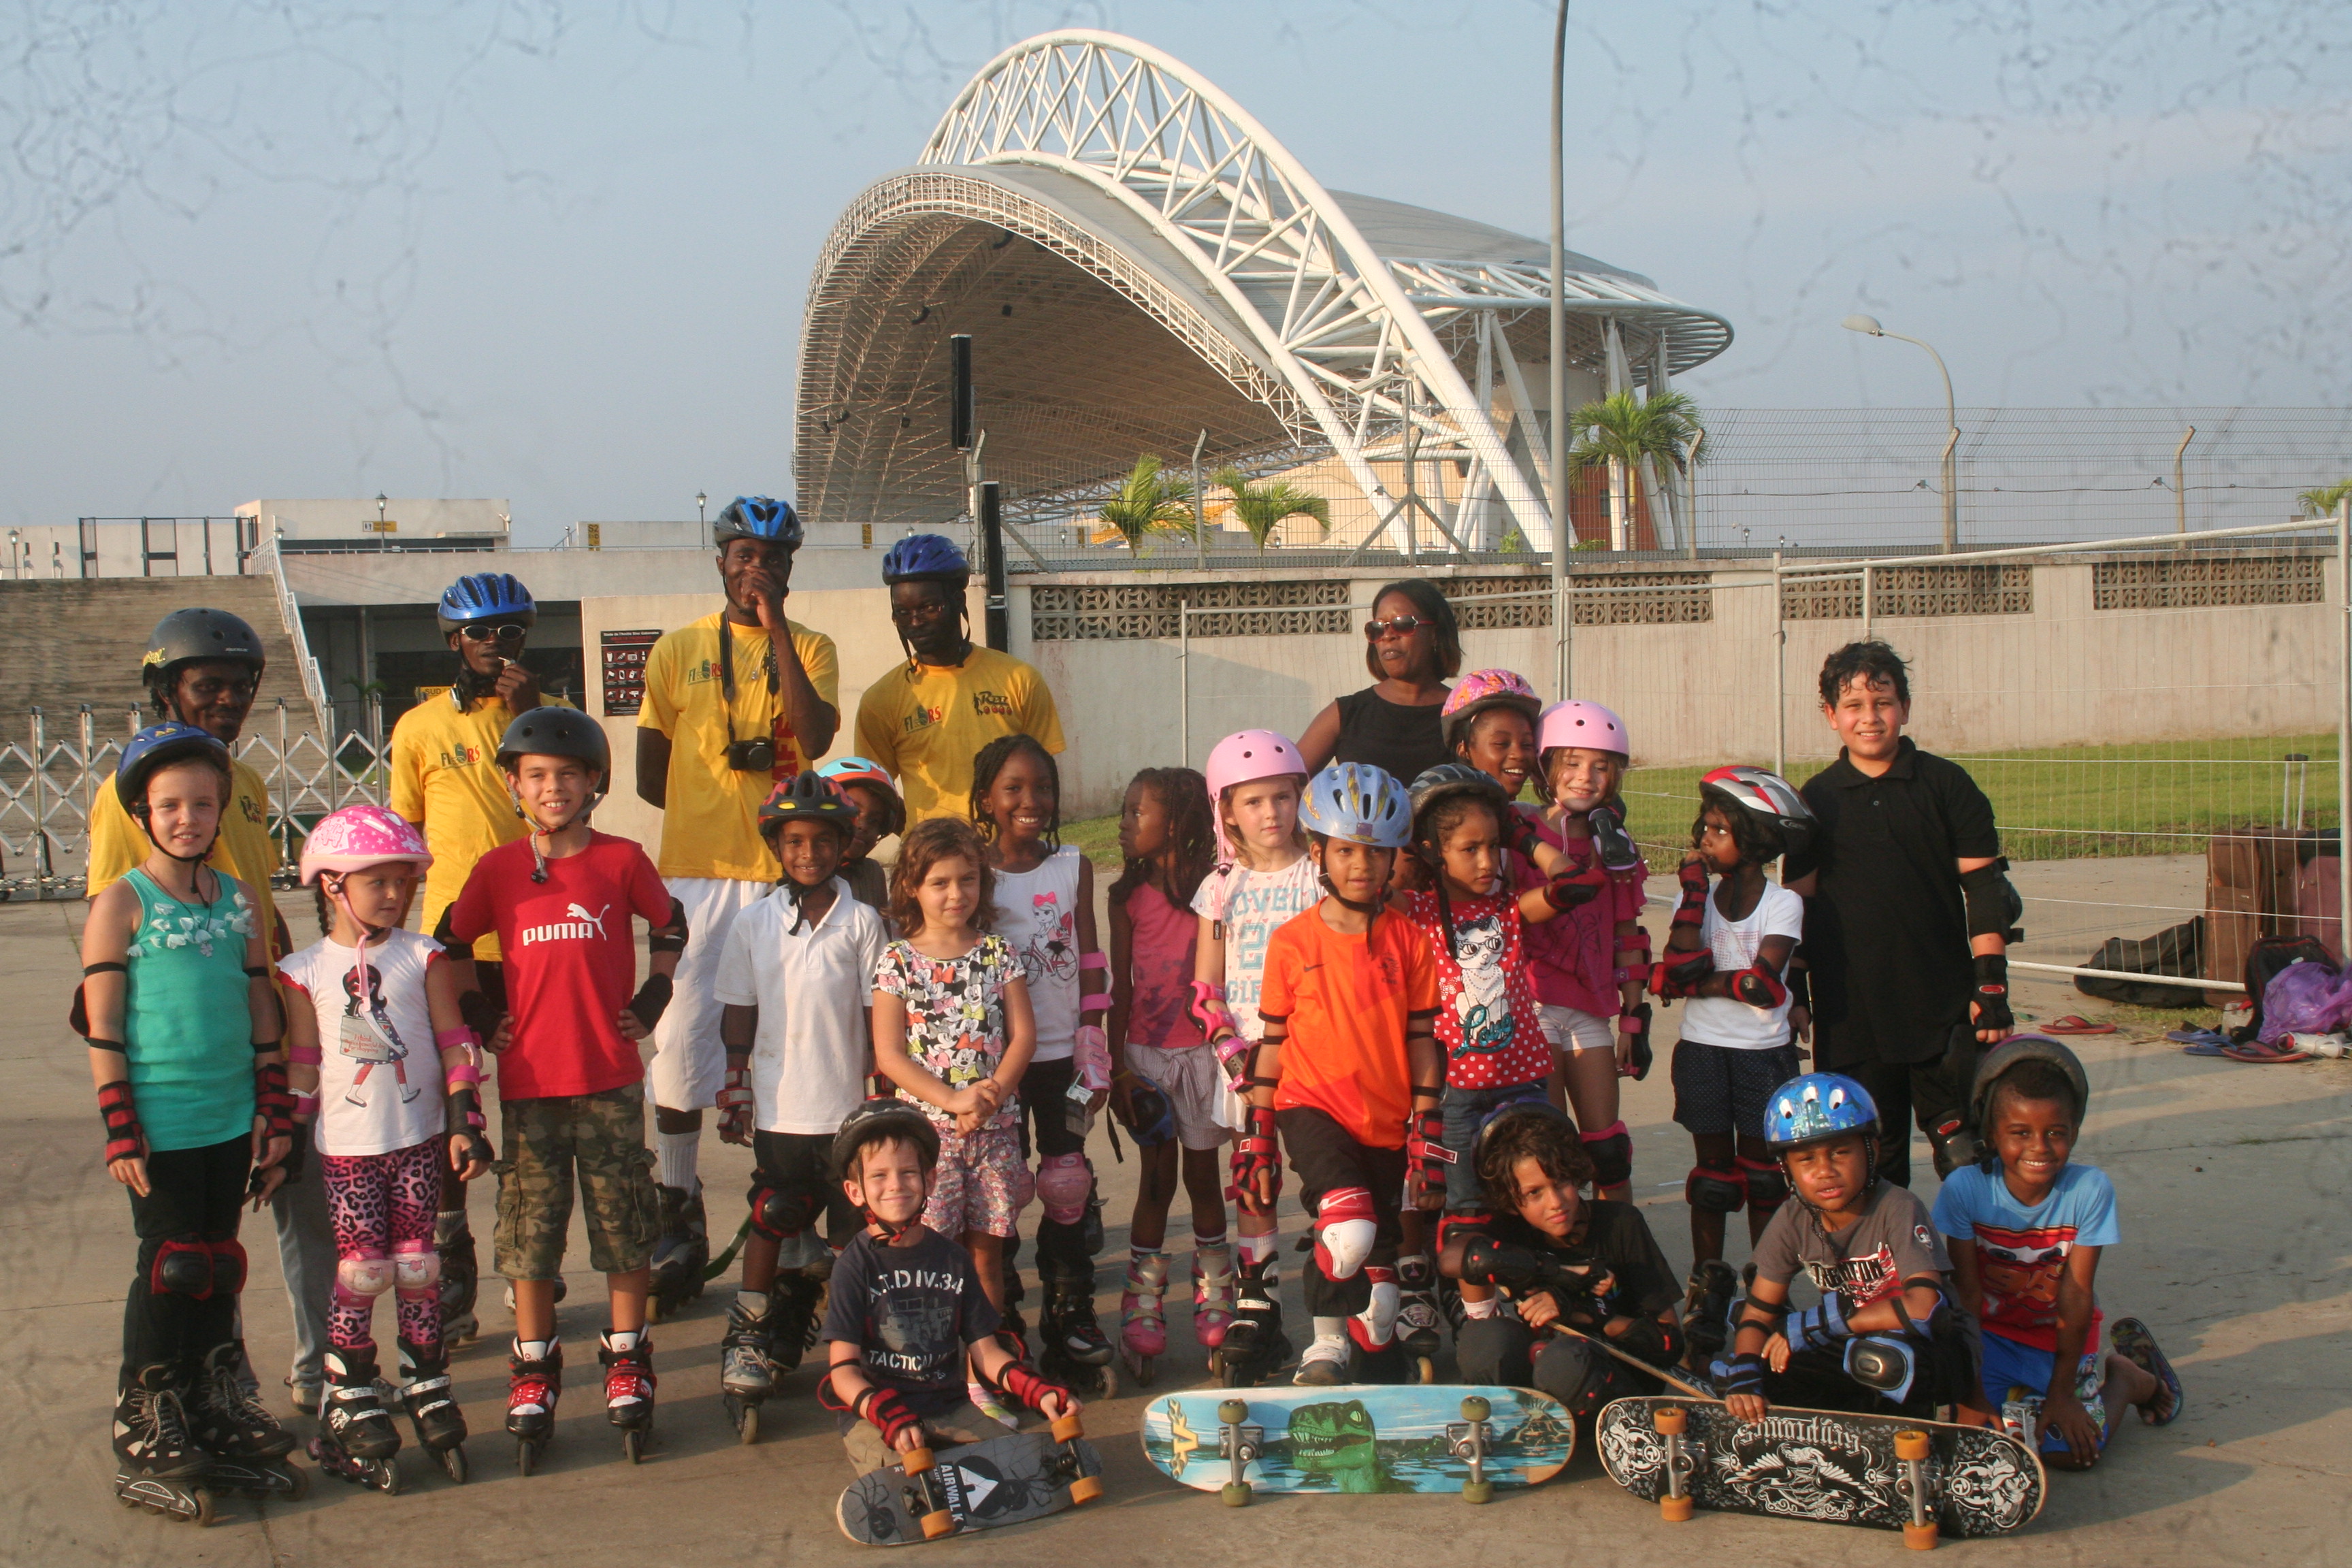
<point x="1345" y="999"/>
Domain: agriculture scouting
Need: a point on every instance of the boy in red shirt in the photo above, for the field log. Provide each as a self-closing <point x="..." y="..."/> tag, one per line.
<point x="570" y="1077"/>
<point x="1349" y="1071"/>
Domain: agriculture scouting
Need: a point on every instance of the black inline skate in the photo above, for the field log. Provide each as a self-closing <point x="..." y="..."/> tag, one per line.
<point x="747" y="1366"/>
<point x="1071" y="1345"/>
<point x="1254" y="1346"/>
<point x="1418" y="1315"/>
<point x="534" y="1382"/>
<point x="680" y="1253"/>
<point x="157" y="1465"/>
<point x="432" y="1407"/>
<point x="628" y="1359"/>
<point x="357" y="1440"/>
<point x="1707" y="1312"/>
<point x="453" y="1238"/>
<point x="247" y="1446"/>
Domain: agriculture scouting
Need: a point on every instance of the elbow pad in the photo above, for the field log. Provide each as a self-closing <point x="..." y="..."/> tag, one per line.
<point x="445" y="933"/>
<point x="1993" y="907"/>
<point x="670" y="938"/>
<point x="1759" y="986"/>
<point x="1680" y="974"/>
<point x="1574" y="889"/>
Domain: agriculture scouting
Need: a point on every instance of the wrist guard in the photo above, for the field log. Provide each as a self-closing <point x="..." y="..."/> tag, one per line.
<point x="481" y="1014"/>
<point x="272" y="1100"/>
<point x="652" y="997"/>
<point x="886" y="1408"/>
<point x="1030" y="1386"/>
<point x="1818" y="1326"/>
<point x="1681" y="974"/>
<point x="1574" y="889"/>
<point x="1991" y="994"/>
<point x="670" y="936"/>
<point x="1660" y="1344"/>
<point x="1743" y="1374"/>
<point x="734" y="1104"/>
<point x="1090" y="1053"/>
<point x="1253" y="1152"/>
<point x="296" y="1152"/>
<point x="1634" y="1021"/>
<point x="1691" y="908"/>
<point x="1209" y="1010"/>
<point x="1525" y="839"/>
<point x="1425" y="1153"/>
<point x="1800" y="985"/>
<point x="124" y="1139"/>
<point x="1759" y="986"/>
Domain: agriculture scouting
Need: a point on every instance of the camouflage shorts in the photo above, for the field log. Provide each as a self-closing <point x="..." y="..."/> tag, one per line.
<point x="604" y="1135"/>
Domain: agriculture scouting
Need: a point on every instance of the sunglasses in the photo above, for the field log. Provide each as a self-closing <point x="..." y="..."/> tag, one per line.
<point x="512" y="631"/>
<point x="928" y="610"/>
<point x="1400" y="626"/>
<point x="211" y="688"/>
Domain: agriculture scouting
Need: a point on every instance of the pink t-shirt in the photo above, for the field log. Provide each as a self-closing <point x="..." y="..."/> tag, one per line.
<point x="1159" y="968"/>
<point x="1573" y="958"/>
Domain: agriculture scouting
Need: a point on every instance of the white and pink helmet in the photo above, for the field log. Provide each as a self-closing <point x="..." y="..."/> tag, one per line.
<point x="360" y="836"/>
<point x="1580" y="723"/>
<point x="1241" y="757"/>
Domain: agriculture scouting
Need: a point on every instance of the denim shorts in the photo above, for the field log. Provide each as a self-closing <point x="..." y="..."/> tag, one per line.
<point x="1465" y="1110"/>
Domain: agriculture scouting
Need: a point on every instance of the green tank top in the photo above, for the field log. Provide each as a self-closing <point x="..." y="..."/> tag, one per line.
<point x="187" y="1025"/>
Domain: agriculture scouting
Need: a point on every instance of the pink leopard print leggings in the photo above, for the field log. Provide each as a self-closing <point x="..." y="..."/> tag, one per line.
<point x="383" y="1206"/>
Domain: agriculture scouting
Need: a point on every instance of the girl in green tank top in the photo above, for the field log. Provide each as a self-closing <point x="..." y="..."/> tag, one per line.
<point x="187" y="1021"/>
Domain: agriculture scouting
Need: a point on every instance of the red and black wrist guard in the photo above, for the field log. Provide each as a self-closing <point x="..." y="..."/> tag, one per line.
<point x="272" y="1100"/>
<point x="1681" y="974"/>
<point x="886" y="1408"/>
<point x="122" y="1136"/>
<point x="1255" y="1149"/>
<point x="1759" y="986"/>
<point x="1426" y="1155"/>
<point x="1021" y="1381"/>
<point x="1573" y="889"/>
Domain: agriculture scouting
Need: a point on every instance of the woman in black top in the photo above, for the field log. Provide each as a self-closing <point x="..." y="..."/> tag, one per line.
<point x="1412" y="645"/>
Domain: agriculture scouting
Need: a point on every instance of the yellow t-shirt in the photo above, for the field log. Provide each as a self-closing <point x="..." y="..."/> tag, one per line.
<point x="444" y="775"/>
<point x="245" y="849"/>
<point x="710" y="826"/>
<point x="926" y="729"/>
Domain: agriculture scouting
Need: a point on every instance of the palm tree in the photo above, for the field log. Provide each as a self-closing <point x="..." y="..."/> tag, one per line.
<point x="1625" y="432"/>
<point x="1150" y="500"/>
<point x="2323" y="500"/>
<point x="1261" y="506"/>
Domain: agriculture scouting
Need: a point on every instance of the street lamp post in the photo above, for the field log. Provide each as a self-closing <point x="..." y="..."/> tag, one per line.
<point x="1563" y="610"/>
<point x="702" y="514"/>
<point x="380" y="504"/>
<point x="1869" y="325"/>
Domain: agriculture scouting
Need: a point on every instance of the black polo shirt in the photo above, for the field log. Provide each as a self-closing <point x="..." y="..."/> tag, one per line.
<point x="1887" y="931"/>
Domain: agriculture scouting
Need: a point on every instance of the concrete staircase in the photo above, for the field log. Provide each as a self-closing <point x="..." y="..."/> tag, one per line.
<point x="66" y="643"/>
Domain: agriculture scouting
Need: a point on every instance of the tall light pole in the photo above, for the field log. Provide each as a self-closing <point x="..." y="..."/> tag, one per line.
<point x="379" y="521"/>
<point x="1951" y="418"/>
<point x="702" y="515"/>
<point x="1563" y="610"/>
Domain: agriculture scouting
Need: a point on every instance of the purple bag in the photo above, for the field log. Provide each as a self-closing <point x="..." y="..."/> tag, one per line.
<point x="2307" y="998"/>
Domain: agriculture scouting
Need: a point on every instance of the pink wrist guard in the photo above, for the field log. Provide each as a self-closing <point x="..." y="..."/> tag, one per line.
<point x="461" y="1075"/>
<point x="306" y="1107"/>
<point x="1093" y="960"/>
<point x="308" y="1055"/>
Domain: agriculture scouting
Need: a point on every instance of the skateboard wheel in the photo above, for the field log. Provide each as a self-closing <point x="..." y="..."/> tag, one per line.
<point x="1675" y="1509"/>
<point x="1086" y="1489"/>
<point x="1920" y="1537"/>
<point x="1909" y="1446"/>
<point x="1477" y="1491"/>
<point x="918" y="1461"/>
<point x="1424" y="1370"/>
<point x="1475" y="1408"/>
<point x="1067" y="1427"/>
<point x="1232" y="1412"/>
<point x="938" y="1524"/>
<point x="1236" y="1494"/>
<point x="1670" y="1420"/>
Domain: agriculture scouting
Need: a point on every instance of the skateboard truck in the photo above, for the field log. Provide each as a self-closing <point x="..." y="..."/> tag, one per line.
<point x="1083" y="1487"/>
<point x="923" y="1495"/>
<point x="1467" y="1440"/>
<point x="1911" y="1451"/>
<point x="1674" y="1503"/>
<point x="1240" y="1443"/>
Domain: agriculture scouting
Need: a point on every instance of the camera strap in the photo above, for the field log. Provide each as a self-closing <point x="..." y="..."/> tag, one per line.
<point x="727" y="673"/>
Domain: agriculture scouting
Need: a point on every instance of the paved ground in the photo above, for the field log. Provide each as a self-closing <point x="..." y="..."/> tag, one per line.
<point x="2233" y="1179"/>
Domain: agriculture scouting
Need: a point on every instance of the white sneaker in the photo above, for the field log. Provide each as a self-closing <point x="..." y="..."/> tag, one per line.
<point x="987" y="1401"/>
<point x="1325" y="1364"/>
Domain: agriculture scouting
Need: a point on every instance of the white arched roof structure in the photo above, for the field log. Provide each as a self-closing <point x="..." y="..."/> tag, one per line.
<point x="1139" y="262"/>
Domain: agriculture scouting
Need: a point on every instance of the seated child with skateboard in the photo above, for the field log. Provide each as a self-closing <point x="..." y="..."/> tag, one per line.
<point x="1577" y="1269"/>
<point x="1886" y="1337"/>
<point x="907" y="1311"/>
<point x="2025" y="1236"/>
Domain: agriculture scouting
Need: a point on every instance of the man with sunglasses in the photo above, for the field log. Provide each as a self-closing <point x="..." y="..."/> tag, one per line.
<point x="927" y="719"/>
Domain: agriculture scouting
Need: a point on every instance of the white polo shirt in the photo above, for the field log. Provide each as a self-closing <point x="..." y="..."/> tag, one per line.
<point x="814" y="987"/>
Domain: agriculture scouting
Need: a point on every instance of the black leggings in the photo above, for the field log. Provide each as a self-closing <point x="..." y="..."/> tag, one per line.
<point x="1046" y="1129"/>
<point x="194" y="1194"/>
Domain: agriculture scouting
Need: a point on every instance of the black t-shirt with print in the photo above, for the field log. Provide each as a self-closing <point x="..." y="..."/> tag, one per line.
<point x="1617" y="1240"/>
<point x="910" y="1311"/>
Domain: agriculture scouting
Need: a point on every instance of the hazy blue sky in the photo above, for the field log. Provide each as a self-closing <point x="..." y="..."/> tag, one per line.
<point x="558" y="252"/>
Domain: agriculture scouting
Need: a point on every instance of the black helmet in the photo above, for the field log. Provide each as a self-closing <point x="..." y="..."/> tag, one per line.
<point x="556" y="732"/>
<point x="758" y="516"/>
<point x="807" y="796"/>
<point x="184" y="636"/>
<point x="1447" y="779"/>
<point x="879" y="1119"/>
<point x="2015" y="1051"/>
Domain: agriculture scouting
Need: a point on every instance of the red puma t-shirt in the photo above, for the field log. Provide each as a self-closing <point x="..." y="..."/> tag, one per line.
<point x="571" y="959"/>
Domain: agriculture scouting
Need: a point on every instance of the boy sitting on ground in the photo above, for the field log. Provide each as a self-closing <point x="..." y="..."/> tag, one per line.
<point x="2025" y="1237"/>
<point x="907" y="1309"/>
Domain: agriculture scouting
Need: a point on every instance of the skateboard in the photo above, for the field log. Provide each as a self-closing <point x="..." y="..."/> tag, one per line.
<point x="1922" y="1477"/>
<point x="1366" y="1438"/>
<point x="976" y="1485"/>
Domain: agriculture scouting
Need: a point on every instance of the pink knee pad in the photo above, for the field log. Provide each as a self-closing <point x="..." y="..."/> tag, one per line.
<point x="359" y="1280"/>
<point x="1374" y="1326"/>
<point x="415" y="1267"/>
<point x="1063" y="1185"/>
<point x="1344" y="1229"/>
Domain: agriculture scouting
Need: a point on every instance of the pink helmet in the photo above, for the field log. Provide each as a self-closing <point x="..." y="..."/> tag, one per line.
<point x="361" y="835"/>
<point x="1579" y="723"/>
<point x="1240" y="757"/>
<point x="1484" y="688"/>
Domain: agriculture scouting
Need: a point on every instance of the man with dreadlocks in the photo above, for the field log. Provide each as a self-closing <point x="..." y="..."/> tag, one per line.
<point x="793" y="987"/>
<point x="926" y="720"/>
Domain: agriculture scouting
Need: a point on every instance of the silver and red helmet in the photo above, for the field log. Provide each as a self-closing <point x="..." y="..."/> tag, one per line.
<point x="1770" y="797"/>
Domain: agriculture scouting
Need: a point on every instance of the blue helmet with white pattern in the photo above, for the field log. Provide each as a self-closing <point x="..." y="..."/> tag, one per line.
<point x="1816" y="1107"/>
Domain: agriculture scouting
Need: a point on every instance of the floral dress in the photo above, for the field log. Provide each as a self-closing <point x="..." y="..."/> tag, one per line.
<point x="955" y="1014"/>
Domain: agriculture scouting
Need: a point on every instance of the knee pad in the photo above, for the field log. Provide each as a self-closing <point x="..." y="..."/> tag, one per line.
<point x="364" y="1275"/>
<point x="228" y="1265"/>
<point x="1611" y="1150"/>
<point x="1462" y="1225"/>
<point x="1767" y="1184"/>
<point x="780" y="1215"/>
<point x="416" y="1266"/>
<point x="1374" y="1326"/>
<point x="1064" y="1183"/>
<point x="1712" y="1191"/>
<point x="1882" y="1363"/>
<point x="1024" y="1188"/>
<point x="1344" y="1231"/>
<point x="183" y="1267"/>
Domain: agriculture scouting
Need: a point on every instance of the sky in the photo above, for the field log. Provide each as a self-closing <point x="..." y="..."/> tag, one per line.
<point x="557" y="253"/>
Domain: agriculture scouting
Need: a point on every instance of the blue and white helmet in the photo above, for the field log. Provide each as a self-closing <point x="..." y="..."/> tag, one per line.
<point x="758" y="516"/>
<point x="485" y="596"/>
<point x="1359" y="803"/>
<point x="1816" y="1106"/>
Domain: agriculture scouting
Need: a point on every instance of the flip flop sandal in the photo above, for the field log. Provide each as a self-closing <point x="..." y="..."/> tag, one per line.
<point x="2261" y="1055"/>
<point x="2204" y="1048"/>
<point x="2075" y="1024"/>
<point x="2130" y="1338"/>
<point x="2199" y="1036"/>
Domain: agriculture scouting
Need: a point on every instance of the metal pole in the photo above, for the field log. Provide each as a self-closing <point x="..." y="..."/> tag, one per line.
<point x="1866" y="601"/>
<point x="2180" y="492"/>
<point x="2344" y="720"/>
<point x="1199" y="512"/>
<point x="44" y="865"/>
<point x="281" y="799"/>
<point x="1563" y="613"/>
<point x="1184" y="679"/>
<point x="1779" y="674"/>
<point x="992" y="535"/>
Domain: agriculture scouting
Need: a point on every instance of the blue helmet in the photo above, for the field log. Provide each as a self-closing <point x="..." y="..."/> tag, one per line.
<point x="485" y="596"/>
<point x="1360" y="802"/>
<point x="925" y="558"/>
<point x="758" y="516"/>
<point x="156" y="747"/>
<point x="1816" y="1106"/>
